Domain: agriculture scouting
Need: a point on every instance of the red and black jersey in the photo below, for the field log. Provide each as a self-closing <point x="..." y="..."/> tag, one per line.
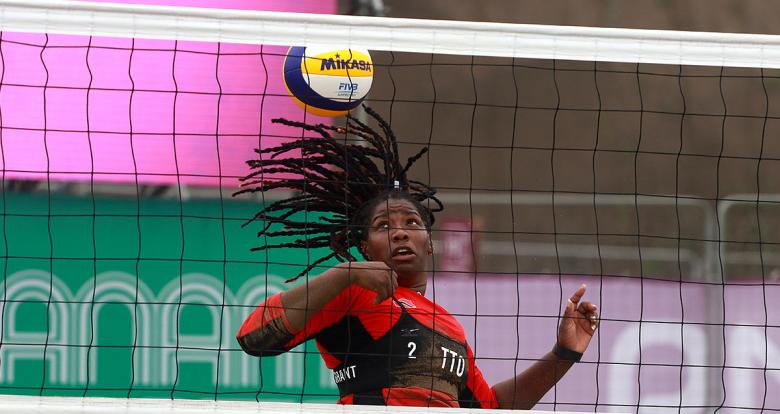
<point x="404" y="351"/>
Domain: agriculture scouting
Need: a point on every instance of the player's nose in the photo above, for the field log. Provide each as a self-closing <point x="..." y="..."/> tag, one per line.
<point x="400" y="234"/>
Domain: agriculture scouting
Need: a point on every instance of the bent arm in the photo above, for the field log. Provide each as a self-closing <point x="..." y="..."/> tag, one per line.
<point x="303" y="301"/>
<point x="277" y="325"/>
<point x="527" y="388"/>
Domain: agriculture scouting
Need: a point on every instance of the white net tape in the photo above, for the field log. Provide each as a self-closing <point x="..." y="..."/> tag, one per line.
<point x="390" y="34"/>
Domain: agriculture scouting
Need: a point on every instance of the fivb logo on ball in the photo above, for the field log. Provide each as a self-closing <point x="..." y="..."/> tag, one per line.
<point x="328" y="81"/>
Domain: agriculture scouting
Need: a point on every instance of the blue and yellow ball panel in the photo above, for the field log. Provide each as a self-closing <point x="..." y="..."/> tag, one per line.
<point x="327" y="81"/>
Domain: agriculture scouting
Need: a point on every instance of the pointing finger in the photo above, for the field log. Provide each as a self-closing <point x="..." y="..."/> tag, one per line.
<point x="575" y="298"/>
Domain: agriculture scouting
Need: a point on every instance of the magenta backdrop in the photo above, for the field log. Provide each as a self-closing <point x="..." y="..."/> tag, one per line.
<point x="517" y="320"/>
<point x="55" y="89"/>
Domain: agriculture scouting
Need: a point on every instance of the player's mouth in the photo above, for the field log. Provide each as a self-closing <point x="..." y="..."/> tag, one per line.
<point x="403" y="253"/>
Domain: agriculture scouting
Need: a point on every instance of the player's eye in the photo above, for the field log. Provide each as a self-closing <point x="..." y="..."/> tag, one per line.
<point x="382" y="225"/>
<point x="413" y="222"/>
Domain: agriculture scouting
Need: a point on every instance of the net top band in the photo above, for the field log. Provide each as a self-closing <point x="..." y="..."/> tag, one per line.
<point x="392" y="34"/>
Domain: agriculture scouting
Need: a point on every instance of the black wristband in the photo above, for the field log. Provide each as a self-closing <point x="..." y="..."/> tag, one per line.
<point x="565" y="353"/>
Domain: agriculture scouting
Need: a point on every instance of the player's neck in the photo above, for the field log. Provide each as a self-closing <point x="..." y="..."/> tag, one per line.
<point x="416" y="281"/>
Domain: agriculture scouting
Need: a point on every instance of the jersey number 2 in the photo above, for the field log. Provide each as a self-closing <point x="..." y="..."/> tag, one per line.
<point x="412" y="347"/>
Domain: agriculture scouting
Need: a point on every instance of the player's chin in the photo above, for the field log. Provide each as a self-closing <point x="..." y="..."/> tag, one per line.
<point x="408" y="266"/>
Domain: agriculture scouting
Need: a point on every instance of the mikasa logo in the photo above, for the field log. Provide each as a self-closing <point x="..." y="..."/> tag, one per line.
<point x="338" y="63"/>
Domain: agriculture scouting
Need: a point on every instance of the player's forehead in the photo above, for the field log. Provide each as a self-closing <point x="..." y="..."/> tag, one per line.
<point x="394" y="206"/>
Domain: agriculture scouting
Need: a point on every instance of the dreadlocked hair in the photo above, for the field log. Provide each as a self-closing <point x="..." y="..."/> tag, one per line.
<point x="337" y="182"/>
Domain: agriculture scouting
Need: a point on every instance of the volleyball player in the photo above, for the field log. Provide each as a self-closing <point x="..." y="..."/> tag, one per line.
<point x="384" y="340"/>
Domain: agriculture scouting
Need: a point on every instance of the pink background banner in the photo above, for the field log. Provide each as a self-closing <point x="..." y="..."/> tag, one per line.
<point x="661" y="345"/>
<point x="117" y="110"/>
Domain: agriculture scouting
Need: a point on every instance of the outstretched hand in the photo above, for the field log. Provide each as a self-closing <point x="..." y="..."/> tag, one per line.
<point x="579" y="322"/>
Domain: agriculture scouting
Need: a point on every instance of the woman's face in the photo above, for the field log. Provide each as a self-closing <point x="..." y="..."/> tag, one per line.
<point x="396" y="235"/>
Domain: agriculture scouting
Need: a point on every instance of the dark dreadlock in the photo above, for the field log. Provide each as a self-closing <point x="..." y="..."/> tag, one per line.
<point x="335" y="178"/>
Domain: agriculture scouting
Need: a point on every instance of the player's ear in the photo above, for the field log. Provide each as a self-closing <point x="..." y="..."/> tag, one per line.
<point x="363" y="250"/>
<point x="430" y="246"/>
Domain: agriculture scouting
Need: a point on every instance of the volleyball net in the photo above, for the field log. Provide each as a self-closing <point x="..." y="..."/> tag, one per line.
<point x="641" y="163"/>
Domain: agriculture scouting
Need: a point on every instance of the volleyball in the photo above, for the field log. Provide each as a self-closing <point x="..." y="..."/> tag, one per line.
<point x="328" y="81"/>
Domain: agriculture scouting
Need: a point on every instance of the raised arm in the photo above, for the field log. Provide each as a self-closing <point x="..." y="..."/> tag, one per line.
<point x="277" y="325"/>
<point x="303" y="301"/>
<point x="578" y="324"/>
